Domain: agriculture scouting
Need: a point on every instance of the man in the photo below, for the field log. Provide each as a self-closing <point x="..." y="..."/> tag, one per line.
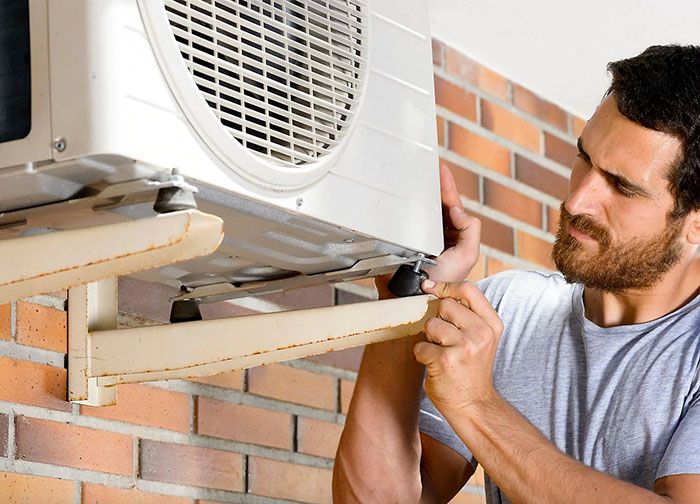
<point x="574" y="387"/>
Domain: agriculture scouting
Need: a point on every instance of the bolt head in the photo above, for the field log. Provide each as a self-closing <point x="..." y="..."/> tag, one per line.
<point x="59" y="144"/>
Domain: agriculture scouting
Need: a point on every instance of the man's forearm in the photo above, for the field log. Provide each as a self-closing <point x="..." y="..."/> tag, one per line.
<point x="380" y="447"/>
<point x="528" y="468"/>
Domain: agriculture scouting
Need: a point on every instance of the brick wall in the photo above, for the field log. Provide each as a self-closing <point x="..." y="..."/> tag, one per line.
<point x="267" y="434"/>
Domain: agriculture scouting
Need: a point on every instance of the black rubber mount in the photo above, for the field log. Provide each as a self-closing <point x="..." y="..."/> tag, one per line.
<point x="406" y="282"/>
<point x="174" y="199"/>
<point x="185" y="310"/>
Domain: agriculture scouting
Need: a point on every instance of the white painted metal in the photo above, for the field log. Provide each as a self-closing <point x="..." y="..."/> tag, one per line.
<point x="205" y="348"/>
<point x="100" y="313"/>
<point x="54" y="261"/>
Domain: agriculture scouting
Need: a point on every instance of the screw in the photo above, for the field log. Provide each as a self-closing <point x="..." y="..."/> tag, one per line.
<point x="59" y="144"/>
<point x="300" y="201"/>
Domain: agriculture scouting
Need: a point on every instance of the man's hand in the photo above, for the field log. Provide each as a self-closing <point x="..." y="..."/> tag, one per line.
<point x="462" y="235"/>
<point x="460" y="348"/>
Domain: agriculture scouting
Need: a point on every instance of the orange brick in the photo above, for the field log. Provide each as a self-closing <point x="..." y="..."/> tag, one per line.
<point x="283" y="480"/>
<point x="552" y="220"/>
<point x="559" y="150"/>
<point x="319" y="438"/>
<point x="440" y="126"/>
<point x="25" y="489"/>
<point x="467" y="182"/>
<point x="191" y="465"/>
<point x="30" y="383"/>
<point x="478" y="271"/>
<point x="505" y="123"/>
<point x="496" y="234"/>
<point x="540" y="177"/>
<point x="42" y="327"/>
<point x="577" y="125"/>
<point x="479" y="149"/>
<point x="293" y="385"/>
<point x="529" y="102"/>
<point x="535" y="250"/>
<point x="468" y="498"/>
<point x="344" y="359"/>
<point x="472" y="72"/>
<point x="494" y="266"/>
<point x="5" y="322"/>
<point x="454" y="98"/>
<point x="513" y="203"/>
<point x="144" y="405"/>
<point x="437" y="53"/>
<point x="347" y="387"/>
<point x="230" y="380"/>
<point x="100" y="494"/>
<point x="243" y="423"/>
<point x="69" y="445"/>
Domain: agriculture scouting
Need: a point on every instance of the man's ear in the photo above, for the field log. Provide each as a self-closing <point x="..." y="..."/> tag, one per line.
<point x="694" y="227"/>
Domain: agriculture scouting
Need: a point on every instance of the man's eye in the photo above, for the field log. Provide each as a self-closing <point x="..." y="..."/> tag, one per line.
<point x="623" y="190"/>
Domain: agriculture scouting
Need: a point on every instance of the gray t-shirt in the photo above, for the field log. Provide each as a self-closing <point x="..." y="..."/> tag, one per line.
<point x="624" y="400"/>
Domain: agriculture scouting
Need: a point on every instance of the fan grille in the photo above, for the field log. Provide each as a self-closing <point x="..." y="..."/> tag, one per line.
<point x="282" y="76"/>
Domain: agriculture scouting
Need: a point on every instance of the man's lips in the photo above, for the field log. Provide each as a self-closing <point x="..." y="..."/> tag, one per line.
<point x="578" y="234"/>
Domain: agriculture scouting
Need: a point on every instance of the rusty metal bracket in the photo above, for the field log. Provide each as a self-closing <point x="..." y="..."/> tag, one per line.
<point x="101" y="356"/>
<point x="78" y="256"/>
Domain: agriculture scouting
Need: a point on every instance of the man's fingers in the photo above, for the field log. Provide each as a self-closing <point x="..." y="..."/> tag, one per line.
<point x="442" y="332"/>
<point x="427" y="353"/>
<point x="448" y="189"/>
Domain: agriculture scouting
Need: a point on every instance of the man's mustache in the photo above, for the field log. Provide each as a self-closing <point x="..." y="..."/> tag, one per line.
<point x="586" y="225"/>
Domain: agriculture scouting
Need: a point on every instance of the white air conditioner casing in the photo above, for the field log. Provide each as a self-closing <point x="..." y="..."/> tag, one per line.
<point x="337" y="93"/>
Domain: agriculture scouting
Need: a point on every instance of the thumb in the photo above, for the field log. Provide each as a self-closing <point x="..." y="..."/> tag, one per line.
<point x="442" y="289"/>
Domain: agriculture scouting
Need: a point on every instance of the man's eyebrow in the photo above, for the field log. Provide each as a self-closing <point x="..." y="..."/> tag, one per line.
<point x="623" y="181"/>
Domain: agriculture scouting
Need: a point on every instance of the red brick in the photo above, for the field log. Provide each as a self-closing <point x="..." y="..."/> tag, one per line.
<point x="144" y="405"/>
<point x="529" y="102"/>
<point x="468" y="498"/>
<point x="317" y="437"/>
<point x="552" y="220"/>
<point x="437" y="53"/>
<point x="191" y="465"/>
<point x="540" y="178"/>
<point x="344" y="359"/>
<point x="293" y="385"/>
<point x="467" y="182"/>
<point x="231" y="380"/>
<point x="30" y="383"/>
<point x="347" y="387"/>
<point x="505" y="123"/>
<point x="5" y="322"/>
<point x="283" y="480"/>
<point x="513" y="203"/>
<point x="577" y="125"/>
<point x="479" y="149"/>
<point x="454" y="98"/>
<point x="69" y="445"/>
<point x="559" y="150"/>
<point x="440" y="126"/>
<point x="307" y="297"/>
<point x="472" y="72"/>
<point x="535" y="250"/>
<point x="42" y="327"/>
<point x="497" y="235"/>
<point x="100" y="494"/>
<point x="494" y="266"/>
<point x="243" y="423"/>
<point x="25" y="489"/>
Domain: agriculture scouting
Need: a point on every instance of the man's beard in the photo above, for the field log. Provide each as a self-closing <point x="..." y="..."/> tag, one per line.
<point x="615" y="267"/>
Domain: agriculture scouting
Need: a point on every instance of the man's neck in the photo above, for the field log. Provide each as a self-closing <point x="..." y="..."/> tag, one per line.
<point x="677" y="287"/>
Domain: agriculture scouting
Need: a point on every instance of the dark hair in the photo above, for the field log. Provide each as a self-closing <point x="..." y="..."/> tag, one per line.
<point x="660" y="89"/>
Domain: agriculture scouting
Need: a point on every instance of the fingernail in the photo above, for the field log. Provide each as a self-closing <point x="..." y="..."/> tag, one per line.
<point x="428" y="284"/>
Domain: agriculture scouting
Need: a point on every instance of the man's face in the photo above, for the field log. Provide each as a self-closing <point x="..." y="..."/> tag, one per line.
<point x="614" y="233"/>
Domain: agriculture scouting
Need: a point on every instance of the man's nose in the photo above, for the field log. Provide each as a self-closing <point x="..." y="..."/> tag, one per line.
<point x="586" y="191"/>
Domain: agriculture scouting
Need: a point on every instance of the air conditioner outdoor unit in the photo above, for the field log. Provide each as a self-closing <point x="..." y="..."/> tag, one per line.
<point x="306" y="125"/>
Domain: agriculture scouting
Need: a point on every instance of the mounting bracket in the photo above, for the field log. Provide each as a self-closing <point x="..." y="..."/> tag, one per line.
<point x="101" y="356"/>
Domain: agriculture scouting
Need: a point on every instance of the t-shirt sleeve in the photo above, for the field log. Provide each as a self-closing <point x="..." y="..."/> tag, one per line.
<point x="682" y="455"/>
<point x="432" y="423"/>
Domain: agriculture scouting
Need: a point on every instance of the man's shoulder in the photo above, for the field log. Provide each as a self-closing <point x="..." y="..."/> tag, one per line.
<point x="523" y="279"/>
